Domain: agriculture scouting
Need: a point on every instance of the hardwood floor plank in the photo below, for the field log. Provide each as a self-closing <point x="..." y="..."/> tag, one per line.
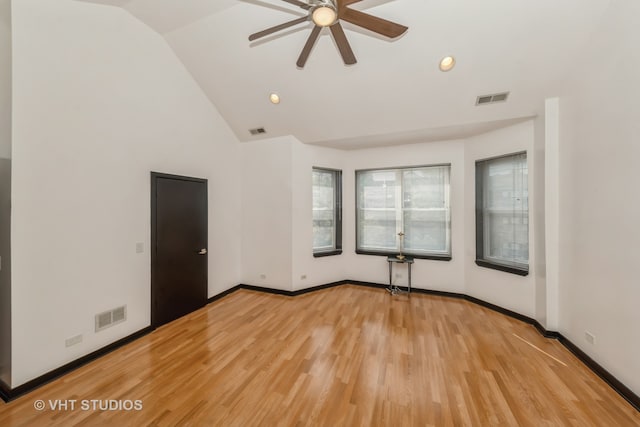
<point x="345" y="356"/>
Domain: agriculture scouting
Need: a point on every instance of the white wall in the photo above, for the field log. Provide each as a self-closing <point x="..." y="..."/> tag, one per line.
<point x="5" y="79"/>
<point x="266" y="213"/>
<point x="600" y="207"/>
<point x="5" y="271"/>
<point x="277" y="235"/>
<point x="538" y="216"/>
<point x="100" y="100"/>
<point x="5" y="191"/>
<point x="509" y="291"/>
<point x="552" y="210"/>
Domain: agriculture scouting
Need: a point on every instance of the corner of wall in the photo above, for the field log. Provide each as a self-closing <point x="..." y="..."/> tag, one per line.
<point x="552" y="207"/>
<point x="539" y="219"/>
<point x="6" y="83"/>
<point x="267" y="212"/>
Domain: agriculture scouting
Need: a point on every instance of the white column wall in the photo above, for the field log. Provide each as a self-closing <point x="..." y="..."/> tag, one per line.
<point x="598" y="175"/>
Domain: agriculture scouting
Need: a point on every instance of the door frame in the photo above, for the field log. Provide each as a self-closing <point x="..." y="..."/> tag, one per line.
<point x="154" y="199"/>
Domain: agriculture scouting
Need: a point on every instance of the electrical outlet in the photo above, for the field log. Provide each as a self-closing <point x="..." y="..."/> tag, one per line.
<point x="589" y="337"/>
<point x="139" y="247"/>
<point x="73" y="340"/>
<point x="303" y="277"/>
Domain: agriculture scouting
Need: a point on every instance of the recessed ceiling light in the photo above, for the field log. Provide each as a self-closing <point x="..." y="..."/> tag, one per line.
<point x="274" y="98"/>
<point x="447" y="63"/>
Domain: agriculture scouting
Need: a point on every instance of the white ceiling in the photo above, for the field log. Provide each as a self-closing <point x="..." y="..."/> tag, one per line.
<point x="395" y="93"/>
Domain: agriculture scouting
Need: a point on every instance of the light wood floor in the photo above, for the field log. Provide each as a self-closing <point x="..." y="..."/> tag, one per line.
<point x="345" y="356"/>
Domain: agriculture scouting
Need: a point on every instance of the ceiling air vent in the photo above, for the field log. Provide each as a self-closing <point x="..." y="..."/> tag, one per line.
<point x="257" y="131"/>
<point x="490" y="99"/>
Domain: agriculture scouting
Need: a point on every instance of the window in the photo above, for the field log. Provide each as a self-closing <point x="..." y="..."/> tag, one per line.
<point x="502" y="214"/>
<point x="414" y="201"/>
<point x="327" y="212"/>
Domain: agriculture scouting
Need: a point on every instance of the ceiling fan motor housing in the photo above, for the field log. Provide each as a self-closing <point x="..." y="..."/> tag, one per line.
<point x="325" y="3"/>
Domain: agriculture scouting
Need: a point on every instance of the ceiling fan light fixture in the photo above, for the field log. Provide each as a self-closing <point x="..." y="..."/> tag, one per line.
<point x="325" y="15"/>
<point x="447" y="63"/>
<point x="330" y="14"/>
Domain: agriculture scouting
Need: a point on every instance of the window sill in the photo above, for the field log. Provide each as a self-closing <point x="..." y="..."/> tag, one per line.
<point x="504" y="268"/>
<point x="385" y="254"/>
<point x="328" y="253"/>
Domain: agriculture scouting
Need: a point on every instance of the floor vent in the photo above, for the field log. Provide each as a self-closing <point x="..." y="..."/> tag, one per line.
<point x="257" y="131"/>
<point x="490" y="99"/>
<point x="112" y="317"/>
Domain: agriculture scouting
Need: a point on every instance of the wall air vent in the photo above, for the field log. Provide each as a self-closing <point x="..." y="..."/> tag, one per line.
<point x="490" y="99"/>
<point x="257" y="131"/>
<point x="112" y="317"/>
<point x="119" y="315"/>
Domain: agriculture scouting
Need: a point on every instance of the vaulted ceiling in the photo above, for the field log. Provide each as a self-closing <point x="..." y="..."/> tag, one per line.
<point x="395" y="93"/>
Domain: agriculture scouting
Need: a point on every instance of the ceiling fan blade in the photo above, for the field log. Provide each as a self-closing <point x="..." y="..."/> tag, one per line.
<point x="299" y="4"/>
<point x="372" y="23"/>
<point x="306" y="51"/>
<point x="272" y="30"/>
<point x="343" y="44"/>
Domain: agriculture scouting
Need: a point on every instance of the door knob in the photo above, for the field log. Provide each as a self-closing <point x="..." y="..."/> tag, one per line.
<point x="202" y="252"/>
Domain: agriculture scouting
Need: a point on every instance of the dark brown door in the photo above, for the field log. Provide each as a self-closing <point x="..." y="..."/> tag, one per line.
<point x="178" y="246"/>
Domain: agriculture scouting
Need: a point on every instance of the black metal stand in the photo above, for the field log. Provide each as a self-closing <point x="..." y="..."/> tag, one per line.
<point x="391" y="259"/>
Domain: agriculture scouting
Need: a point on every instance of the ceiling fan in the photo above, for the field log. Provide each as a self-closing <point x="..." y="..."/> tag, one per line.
<point x="329" y="13"/>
